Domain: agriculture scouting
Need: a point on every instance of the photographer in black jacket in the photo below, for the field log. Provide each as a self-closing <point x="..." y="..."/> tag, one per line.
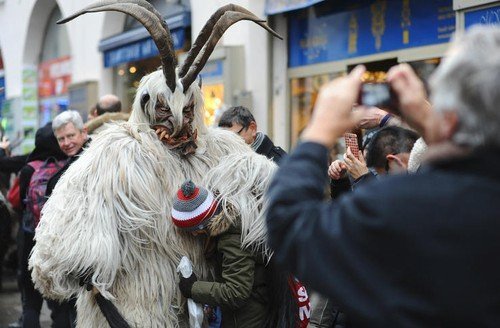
<point x="409" y="250"/>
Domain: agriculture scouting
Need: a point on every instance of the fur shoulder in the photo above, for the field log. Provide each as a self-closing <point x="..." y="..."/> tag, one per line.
<point x="240" y="181"/>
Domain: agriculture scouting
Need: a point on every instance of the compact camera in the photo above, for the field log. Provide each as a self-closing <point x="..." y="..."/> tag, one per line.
<point x="378" y="94"/>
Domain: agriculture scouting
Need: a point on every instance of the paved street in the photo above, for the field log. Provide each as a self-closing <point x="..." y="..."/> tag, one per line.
<point x="10" y="304"/>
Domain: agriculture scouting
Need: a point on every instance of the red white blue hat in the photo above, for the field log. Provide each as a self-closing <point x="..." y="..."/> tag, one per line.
<point x="193" y="207"/>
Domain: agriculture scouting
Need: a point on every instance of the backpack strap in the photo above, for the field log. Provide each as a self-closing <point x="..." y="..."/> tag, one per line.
<point x="36" y="165"/>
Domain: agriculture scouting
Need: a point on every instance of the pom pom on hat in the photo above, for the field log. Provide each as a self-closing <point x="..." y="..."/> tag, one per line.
<point x="193" y="207"/>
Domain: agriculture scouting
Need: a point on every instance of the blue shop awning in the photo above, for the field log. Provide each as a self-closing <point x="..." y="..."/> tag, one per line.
<point x="136" y="44"/>
<point x="274" y="7"/>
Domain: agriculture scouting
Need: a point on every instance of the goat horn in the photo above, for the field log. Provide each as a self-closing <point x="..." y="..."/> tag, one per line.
<point x="204" y="35"/>
<point x="225" y="21"/>
<point x="151" y="19"/>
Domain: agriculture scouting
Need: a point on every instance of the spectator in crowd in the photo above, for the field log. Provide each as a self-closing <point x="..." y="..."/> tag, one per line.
<point x="408" y="250"/>
<point x="107" y="109"/>
<point x="240" y="120"/>
<point x="46" y="151"/>
<point x="72" y="137"/>
<point x="107" y="104"/>
<point x="5" y="234"/>
<point x="387" y="153"/>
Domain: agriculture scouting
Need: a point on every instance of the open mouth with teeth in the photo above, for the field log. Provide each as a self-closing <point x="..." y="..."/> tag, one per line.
<point x="184" y="142"/>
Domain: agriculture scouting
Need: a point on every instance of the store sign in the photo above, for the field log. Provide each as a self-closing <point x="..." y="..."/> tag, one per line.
<point x="54" y="77"/>
<point x="213" y="69"/>
<point x="279" y="6"/>
<point x="374" y="26"/>
<point x="487" y="16"/>
<point x="141" y="49"/>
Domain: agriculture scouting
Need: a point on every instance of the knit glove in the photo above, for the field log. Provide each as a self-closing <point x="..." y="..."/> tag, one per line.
<point x="186" y="284"/>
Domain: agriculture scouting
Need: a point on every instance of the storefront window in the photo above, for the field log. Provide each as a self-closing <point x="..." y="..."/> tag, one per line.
<point x="303" y="97"/>
<point x="424" y="68"/>
<point x="213" y="95"/>
<point x="129" y="75"/>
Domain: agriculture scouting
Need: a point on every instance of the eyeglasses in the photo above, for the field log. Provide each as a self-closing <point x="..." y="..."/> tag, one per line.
<point x="242" y="128"/>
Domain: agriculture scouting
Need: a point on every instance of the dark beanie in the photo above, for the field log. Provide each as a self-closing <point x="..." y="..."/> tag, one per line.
<point x="193" y="207"/>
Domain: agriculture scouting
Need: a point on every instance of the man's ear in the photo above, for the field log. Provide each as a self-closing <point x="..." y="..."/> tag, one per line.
<point x="253" y="128"/>
<point x="396" y="164"/>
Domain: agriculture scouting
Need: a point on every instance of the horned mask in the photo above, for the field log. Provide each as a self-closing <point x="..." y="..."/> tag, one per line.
<point x="168" y="101"/>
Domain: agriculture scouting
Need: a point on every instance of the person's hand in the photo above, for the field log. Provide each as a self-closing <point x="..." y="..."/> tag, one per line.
<point x="333" y="113"/>
<point x="337" y="170"/>
<point x="356" y="167"/>
<point x="370" y="117"/>
<point x="185" y="284"/>
<point x="412" y="97"/>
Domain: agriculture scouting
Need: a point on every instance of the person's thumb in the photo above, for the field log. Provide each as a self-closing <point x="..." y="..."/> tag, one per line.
<point x="357" y="73"/>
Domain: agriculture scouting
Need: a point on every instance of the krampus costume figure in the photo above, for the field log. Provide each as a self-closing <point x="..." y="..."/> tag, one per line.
<point x="108" y="218"/>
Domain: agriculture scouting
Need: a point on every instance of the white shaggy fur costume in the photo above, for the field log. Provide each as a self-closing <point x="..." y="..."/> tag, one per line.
<point x="109" y="215"/>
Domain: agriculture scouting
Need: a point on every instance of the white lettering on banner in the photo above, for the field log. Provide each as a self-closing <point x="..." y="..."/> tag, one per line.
<point x="302" y="293"/>
<point x="304" y="312"/>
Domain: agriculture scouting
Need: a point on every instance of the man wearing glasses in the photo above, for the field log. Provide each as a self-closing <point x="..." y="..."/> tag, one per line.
<point x="241" y="121"/>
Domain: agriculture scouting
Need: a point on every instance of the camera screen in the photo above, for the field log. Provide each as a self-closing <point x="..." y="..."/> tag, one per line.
<point x="375" y="94"/>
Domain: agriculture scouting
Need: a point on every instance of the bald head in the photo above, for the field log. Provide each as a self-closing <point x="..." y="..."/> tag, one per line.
<point x="108" y="104"/>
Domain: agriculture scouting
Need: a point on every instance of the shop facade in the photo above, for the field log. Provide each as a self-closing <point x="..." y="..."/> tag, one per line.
<point x="42" y="61"/>
<point x="49" y="68"/>
<point x="132" y="53"/>
<point x="326" y="39"/>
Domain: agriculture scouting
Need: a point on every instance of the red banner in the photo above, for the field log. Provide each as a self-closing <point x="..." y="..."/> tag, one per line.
<point x="54" y="77"/>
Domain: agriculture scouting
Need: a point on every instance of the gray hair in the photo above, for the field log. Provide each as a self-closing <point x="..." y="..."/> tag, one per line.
<point x="468" y="83"/>
<point x="69" y="116"/>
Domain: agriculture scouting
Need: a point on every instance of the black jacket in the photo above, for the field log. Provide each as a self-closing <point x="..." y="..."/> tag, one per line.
<point x="268" y="149"/>
<point x="406" y="251"/>
<point x="53" y="181"/>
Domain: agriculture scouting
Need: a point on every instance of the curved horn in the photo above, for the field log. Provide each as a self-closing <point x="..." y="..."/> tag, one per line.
<point x="225" y="21"/>
<point x="207" y="30"/>
<point x="151" y="19"/>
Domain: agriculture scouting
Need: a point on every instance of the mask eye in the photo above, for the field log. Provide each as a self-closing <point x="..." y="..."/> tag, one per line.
<point x="189" y="107"/>
<point x="162" y="112"/>
<point x="144" y="99"/>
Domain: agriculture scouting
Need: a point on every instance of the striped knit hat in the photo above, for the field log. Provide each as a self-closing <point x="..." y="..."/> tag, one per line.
<point x="193" y="207"/>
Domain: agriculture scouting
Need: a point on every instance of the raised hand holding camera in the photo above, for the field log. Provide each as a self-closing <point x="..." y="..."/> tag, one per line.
<point x="333" y="113"/>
